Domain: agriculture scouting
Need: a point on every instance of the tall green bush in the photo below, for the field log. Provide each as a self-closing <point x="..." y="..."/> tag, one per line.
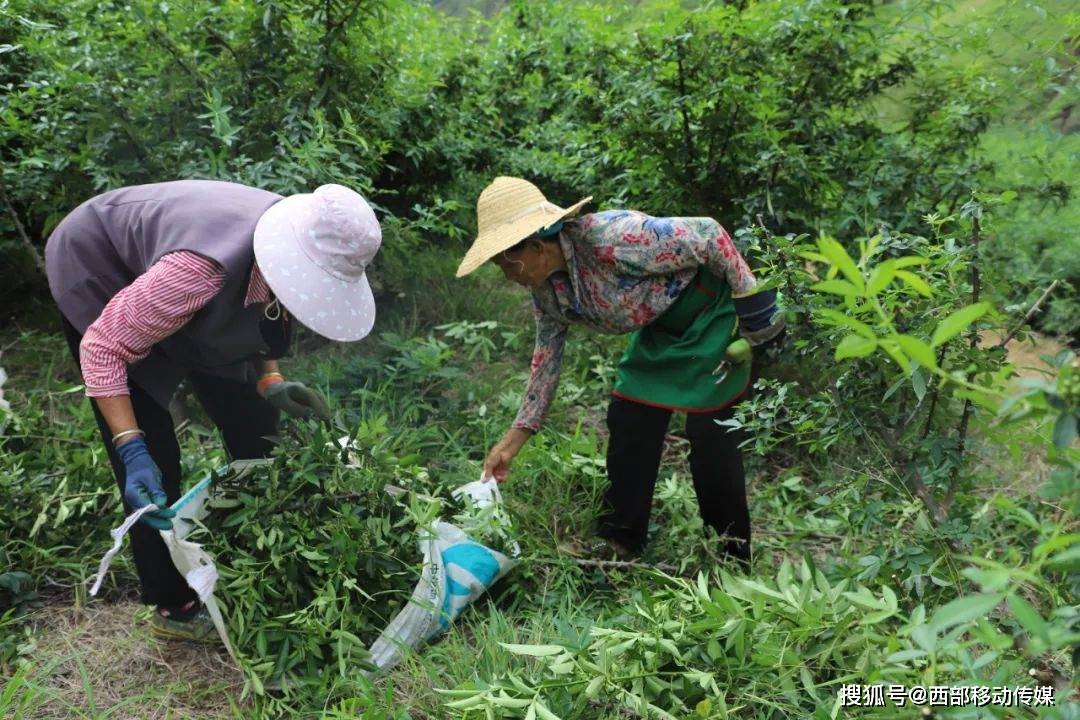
<point x="283" y="95"/>
<point x="768" y="111"/>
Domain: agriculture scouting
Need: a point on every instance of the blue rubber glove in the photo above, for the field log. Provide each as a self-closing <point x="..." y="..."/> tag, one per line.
<point x="142" y="484"/>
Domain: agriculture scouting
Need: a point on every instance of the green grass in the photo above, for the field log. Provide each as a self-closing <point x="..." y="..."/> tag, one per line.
<point x="1034" y="238"/>
<point x="856" y="529"/>
<point x="1005" y="41"/>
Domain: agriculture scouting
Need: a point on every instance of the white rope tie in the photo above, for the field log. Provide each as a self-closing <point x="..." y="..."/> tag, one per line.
<point x="273" y="310"/>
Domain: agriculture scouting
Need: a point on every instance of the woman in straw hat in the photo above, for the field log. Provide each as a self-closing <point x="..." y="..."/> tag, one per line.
<point x="198" y="279"/>
<point x="685" y="292"/>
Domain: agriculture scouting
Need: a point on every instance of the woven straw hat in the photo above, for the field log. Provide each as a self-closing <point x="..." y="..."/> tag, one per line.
<point x="508" y="211"/>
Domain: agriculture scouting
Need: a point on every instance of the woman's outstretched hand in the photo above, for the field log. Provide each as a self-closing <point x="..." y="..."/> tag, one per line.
<point x="499" y="459"/>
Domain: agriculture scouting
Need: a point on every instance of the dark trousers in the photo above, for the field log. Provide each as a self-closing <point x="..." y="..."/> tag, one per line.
<point x="633" y="461"/>
<point x="245" y="421"/>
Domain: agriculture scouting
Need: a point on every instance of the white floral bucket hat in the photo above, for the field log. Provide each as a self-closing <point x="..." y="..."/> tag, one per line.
<point x="314" y="249"/>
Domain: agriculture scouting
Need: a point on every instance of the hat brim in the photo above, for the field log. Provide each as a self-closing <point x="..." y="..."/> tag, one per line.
<point x="490" y="244"/>
<point x="337" y="309"/>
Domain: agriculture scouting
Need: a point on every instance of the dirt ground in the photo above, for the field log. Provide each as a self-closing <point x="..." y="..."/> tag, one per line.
<point x="101" y="660"/>
<point x="1026" y="354"/>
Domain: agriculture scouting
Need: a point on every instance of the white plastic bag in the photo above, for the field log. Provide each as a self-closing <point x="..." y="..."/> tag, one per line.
<point x="457" y="570"/>
<point x="194" y="563"/>
<point x="5" y="406"/>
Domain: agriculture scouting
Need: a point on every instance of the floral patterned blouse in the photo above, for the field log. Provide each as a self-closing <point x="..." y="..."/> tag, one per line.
<point x="624" y="269"/>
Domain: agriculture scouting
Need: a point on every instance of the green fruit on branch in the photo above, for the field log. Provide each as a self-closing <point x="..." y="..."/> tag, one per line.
<point x="738" y="352"/>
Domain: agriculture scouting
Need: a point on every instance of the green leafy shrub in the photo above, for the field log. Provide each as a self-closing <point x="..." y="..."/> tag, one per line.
<point x="710" y="647"/>
<point x="694" y="646"/>
<point x="731" y="111"/>
<point x="18" y="592"/>
<point x="320" y="549"/>
<point x="314" y="557"/>
<point x="869" y="439"/>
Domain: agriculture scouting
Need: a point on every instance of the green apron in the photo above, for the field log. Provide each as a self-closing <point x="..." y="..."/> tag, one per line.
<point x="669" y="363"/>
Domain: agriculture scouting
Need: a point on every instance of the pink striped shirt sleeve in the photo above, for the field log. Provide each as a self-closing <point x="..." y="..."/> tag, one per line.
<point x="258" y="291"/>
<point x="158" y="303"/>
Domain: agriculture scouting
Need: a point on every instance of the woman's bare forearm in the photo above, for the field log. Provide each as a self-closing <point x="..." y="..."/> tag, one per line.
<point x="119" y="415"/>
<point x="517" y="437"/>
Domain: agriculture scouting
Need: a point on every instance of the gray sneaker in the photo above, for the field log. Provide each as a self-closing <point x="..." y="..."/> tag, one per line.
<point x="198" y="628"/>
<point x="599" y="548"/>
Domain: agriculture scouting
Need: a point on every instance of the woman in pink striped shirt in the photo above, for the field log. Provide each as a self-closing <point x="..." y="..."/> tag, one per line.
<point x="198" y="280"/>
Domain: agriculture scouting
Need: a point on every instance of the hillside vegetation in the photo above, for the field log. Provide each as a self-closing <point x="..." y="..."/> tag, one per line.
<point x="904" y="174"/>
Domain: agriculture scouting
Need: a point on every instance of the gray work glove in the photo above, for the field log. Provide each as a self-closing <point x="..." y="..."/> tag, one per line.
<point x="297" y="399"/>
<point x="760" y="319"/>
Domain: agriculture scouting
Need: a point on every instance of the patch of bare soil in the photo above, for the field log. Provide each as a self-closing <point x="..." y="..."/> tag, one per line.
<point x="102" y="659"/>
<point x="1026" y="354"/>
<point x="1021" y="470"/>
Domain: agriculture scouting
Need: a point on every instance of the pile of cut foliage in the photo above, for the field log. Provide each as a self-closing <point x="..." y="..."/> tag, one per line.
<point x="318" y="550"/>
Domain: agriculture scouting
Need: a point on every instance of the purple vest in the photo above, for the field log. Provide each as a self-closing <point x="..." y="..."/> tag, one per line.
<point x="109" y="240"/>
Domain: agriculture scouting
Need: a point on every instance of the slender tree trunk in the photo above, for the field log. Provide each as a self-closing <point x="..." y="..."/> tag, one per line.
<point x="965" y="417"/>
<point x="327" y="42"/>
<point x="1029" y="314"/>
<point x="31" y="249"/>
<point x="687" y="136"/>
